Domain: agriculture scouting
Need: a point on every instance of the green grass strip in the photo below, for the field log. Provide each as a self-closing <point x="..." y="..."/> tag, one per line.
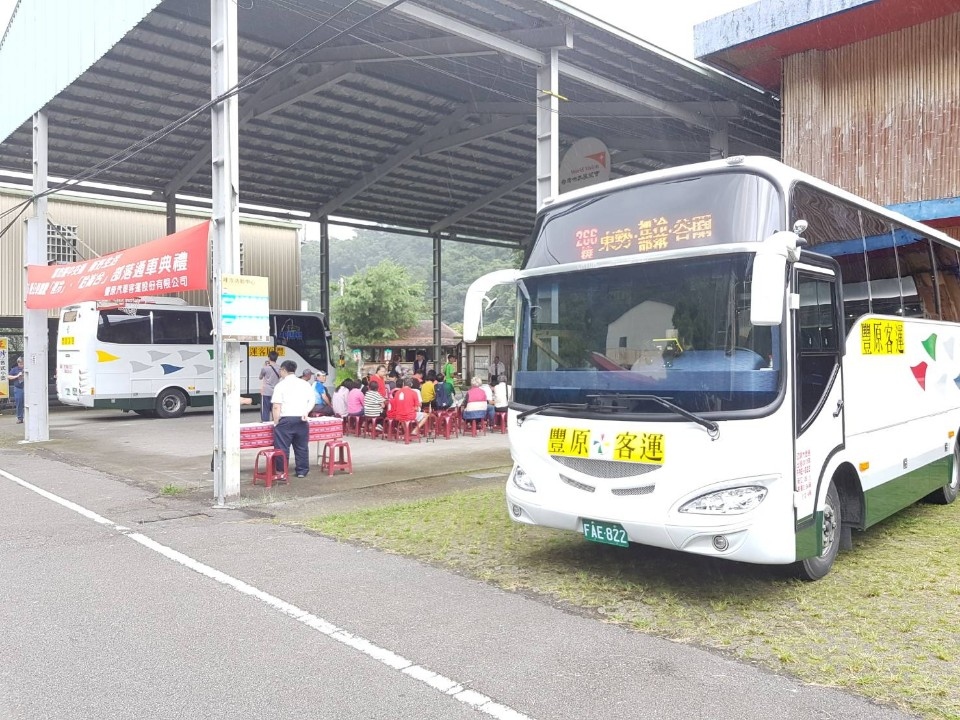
<point x="883" y="624"/>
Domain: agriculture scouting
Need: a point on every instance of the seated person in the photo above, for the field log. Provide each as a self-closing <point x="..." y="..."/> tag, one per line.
<point x="373" y="401"/>
<point x="428" y="391"/>
<point x="405" y="405"/>
<point x="323" y="404"/>
<point x="476" y="407"/>
<point x="501" y="394"/>
<point x="340" y="399"/>
<point x="355" y="399"/>
<point x="443" y="398"/>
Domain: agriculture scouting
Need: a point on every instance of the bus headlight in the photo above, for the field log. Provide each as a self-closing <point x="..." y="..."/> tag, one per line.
<point x="522" y="480"/>
<point x="732" y="501"/>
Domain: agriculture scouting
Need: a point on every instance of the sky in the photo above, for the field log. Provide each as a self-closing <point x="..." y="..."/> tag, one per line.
<point x="666" y="24"/>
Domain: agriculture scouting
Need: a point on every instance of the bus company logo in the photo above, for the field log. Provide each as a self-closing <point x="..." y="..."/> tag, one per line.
<point x="638" y="447"/>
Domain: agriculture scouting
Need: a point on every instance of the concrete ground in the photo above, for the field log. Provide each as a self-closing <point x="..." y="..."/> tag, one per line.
<point x="153" y="454"/>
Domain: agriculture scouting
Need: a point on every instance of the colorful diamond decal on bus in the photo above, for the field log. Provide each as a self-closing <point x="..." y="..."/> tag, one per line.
<point x="156" y="355"/>
<point x="139" y="366"/>
<point x="211" y="354"/>
<point x="930" y="345"/>
<point x="103" y="356"/>
<point x="948" y="346"/>
<point x="188" y="354"/>
<point x="920" y="373"/>
<point x="956" y="381"/>
<point x="167" y="369"/>
<point x="203" y="369"/>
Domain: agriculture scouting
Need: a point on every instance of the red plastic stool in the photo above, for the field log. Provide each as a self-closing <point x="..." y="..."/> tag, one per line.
<point x="353" y="424"/>
<point x="368" y="427"/>
<point x="269" y="472"/>
<point x="500" y="420"/>
<point x="391" y="429"/>
<point x="336" y="456"/>
<point x="409" y="430"/>
<point x="474" y="425"/>
<point x="447" y="423"/>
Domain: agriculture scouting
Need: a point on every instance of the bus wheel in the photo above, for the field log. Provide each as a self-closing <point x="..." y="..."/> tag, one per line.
<point x="815" y="568"/>
<point x="171" y="403"/>
<point x="948" y="493"/>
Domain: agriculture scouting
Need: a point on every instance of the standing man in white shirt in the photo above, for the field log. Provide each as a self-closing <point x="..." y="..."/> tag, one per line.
<point x="293" y="399"/>
<point x="496" y="370"/>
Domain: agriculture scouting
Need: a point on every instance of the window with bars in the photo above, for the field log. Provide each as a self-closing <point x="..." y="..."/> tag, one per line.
<point x="61" y="243"/>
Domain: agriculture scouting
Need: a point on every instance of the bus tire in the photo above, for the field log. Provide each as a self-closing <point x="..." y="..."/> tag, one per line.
<point x="171" y="403"/>
<point x="948" y="493"/>
<point x="815" y="568"/>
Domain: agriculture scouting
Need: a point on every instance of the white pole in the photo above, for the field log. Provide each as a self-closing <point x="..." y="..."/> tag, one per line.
<point x="36" y="410"/>
<point x="226" y="244"/>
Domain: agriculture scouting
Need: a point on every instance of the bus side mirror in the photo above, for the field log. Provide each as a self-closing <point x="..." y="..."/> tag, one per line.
<point x="473" y="304"/>
<point x="768" y="279"/>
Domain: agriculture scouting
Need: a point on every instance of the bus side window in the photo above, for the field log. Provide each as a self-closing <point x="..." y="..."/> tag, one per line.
<point x="175" y="327"/>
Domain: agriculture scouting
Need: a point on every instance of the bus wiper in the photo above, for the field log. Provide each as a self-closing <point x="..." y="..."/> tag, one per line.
<point x="549" y="406"/>
<point x="603" y="402"/>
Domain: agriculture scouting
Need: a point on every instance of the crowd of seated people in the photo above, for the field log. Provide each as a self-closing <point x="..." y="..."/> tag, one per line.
<point x="386" y="395"/>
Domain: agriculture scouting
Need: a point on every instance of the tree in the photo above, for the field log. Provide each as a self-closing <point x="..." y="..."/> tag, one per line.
<point x="379" y="304"/>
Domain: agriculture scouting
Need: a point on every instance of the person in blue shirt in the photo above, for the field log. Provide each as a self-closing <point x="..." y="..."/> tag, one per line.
<point x="324" y="403"/>
<point x="15" y="376"/>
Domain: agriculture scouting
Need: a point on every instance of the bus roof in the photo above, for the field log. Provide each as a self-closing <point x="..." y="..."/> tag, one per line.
<point x="781" y="175"/>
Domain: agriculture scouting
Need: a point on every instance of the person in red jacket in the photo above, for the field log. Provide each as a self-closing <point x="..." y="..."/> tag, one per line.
<point x="405" y="405"/>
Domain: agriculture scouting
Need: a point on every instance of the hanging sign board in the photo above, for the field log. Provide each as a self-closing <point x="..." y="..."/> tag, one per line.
<point x="586" y="163"/>
<point x="245" y="308"/>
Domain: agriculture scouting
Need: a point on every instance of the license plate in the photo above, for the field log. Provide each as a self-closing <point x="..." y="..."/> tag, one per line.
<point x="606" y="533"/>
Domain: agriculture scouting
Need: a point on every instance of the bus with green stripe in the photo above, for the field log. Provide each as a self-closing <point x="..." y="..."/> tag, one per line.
<point x="732" y="359"/>
<point x="154" y="356"/>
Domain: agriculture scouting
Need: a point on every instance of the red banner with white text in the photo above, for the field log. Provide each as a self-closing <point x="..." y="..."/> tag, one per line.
<point x="172" y="264"/>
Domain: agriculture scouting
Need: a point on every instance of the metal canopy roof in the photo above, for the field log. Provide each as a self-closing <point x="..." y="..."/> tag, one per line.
<point x="423" y="117"/>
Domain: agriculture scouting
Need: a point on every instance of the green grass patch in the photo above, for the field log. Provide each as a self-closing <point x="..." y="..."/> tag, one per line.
<point x="882" y="624"/>
<point x="172" y="490"/>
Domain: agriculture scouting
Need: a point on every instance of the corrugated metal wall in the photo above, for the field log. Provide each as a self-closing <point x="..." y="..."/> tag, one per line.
<point x="271" y="249"/>
<point x="879" y="118"/>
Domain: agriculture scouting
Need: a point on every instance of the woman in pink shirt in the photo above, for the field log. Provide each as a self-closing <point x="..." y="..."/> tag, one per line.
<point x="355" y="399"/>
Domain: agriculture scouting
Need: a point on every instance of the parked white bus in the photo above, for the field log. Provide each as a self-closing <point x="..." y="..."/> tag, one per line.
<point x="732" y="359"/>
<point x="157" y="359"/>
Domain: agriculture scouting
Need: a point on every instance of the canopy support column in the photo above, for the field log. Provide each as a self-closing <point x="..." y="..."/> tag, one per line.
<point x="548" y="128"/>
<point x="171" y="204"/>
<point x="225" y="132"/>
<point x="35" y="359"/>
<point x="437" y="307"/>
<point x="325" y="268"/>
<point x="720" y="143"/>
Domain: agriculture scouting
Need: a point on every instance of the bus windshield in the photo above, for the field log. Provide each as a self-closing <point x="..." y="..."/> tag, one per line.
<point x="727" y="207"/>
<point x="677" y="329"/>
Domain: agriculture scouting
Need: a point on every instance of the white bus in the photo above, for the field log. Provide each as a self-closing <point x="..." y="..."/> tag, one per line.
<point x="157" y="358"/>
<point x="732" y="359"/>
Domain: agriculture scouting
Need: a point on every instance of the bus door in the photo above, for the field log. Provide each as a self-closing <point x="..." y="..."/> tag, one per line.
<point x="245" y="381"/>
<point x="818" y="384"/>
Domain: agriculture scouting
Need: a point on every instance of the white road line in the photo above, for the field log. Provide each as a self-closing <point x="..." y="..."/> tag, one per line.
<point x="442" y="684"/>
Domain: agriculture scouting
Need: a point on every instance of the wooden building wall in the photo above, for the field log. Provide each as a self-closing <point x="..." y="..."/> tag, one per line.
<point x="270" y="248"/>
<point x="879" y="118"/>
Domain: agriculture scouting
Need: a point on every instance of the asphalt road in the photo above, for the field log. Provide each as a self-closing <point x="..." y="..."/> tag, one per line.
<point x="130" y="605"/>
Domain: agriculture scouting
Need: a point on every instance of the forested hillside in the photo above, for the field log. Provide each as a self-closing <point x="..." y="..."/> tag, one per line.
<point x="461" y="264"/>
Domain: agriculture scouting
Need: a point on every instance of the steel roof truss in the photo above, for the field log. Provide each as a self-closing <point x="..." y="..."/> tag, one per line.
<point x="412" y="149"/>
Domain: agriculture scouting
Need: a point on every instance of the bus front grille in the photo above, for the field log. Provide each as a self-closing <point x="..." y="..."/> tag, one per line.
<point x="578" y="485"/>
<point x="607" y="469"/>
<point x="641" y="490"/>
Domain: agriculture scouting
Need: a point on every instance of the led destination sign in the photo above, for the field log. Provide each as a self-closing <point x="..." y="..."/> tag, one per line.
<point x="711" y="209"/>
<point x="647" y="235"/>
